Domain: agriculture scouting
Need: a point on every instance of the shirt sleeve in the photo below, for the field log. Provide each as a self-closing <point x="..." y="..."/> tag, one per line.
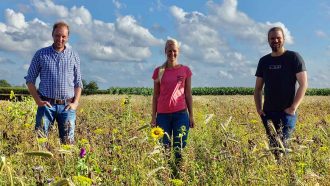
<point x="300" y="63"/>
<point x="189" y="73"/>
<point x="77" y="72"/>
<point x="259" y="72"/>
<point x="34" y="69"/>
<point x="155" y="74"/>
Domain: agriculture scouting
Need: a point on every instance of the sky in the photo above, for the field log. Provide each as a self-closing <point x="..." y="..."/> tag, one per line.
<point x="121" y="42"/>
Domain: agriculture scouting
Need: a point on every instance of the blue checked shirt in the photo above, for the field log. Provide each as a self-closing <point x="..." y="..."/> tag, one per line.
<point x="59" y="72"/>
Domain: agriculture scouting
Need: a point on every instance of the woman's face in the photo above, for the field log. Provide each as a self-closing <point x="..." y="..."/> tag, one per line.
<point x="172" y="52"/>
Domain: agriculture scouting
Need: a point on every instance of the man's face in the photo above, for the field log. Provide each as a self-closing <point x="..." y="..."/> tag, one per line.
<point x="276" y="40"/>
<point x="60" y="37"/>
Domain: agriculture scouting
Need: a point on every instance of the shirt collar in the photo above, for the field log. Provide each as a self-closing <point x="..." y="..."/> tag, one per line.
<point x="63" y="51"/>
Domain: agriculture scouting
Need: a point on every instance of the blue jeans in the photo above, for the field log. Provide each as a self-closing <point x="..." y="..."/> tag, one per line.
<point x="176" y="125"/>
<point x="66" y="120"/>
<point x="284" y="125"/>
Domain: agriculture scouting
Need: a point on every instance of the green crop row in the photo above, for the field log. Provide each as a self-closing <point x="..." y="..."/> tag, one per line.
<point x="148" y="91"/>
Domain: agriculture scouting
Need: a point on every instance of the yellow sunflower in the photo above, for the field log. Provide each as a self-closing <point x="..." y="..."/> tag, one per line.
<point x="157" y="133"/>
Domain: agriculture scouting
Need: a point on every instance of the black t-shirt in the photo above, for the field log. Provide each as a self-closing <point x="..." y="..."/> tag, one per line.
<point x="279" y="75"/>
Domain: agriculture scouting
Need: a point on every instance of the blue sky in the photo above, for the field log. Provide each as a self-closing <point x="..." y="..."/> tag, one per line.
<point x="120" y="42"/>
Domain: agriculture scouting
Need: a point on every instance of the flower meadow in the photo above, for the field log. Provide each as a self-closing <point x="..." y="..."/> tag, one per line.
<point x="115" y="145"/>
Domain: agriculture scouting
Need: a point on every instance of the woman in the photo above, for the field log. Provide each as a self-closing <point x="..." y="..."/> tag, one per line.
<point x="172" y="99"/>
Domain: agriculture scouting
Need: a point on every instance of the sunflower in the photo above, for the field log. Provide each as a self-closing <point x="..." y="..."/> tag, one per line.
<point x="157" y="133"/>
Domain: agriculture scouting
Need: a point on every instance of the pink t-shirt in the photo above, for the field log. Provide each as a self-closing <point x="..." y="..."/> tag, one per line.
<point x="172" y="96"/>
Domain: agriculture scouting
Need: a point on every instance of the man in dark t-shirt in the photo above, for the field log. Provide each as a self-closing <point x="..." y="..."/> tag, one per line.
<point x="278" y="73"/>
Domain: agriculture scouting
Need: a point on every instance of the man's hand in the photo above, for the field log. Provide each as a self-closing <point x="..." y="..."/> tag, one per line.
<point x="261" y="112"/>
<point x="71" y="106"/>
<point x="43" y="103"/>
<point x="291" y="110"/>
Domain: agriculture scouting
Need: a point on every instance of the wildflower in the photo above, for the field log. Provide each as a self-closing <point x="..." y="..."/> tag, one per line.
<point x="12" y="95"/>
<point x="157" y="133"/>
<point x="42" y="140"/>
<point x="27" y="125"/>
<point x="82" y="152"/>
<point x="66" y="147"/>
<point x="323" y="149"/>
<point x="254" y="121"/>
<point x="125" y="101"/>
<point x="115" y="131"/>
<point x="83" y="141"/>
<point x="177" y="182"/>
<point x="83" y="180"/>
<point x="9" y="108"/>
<point x="98" y="131"/>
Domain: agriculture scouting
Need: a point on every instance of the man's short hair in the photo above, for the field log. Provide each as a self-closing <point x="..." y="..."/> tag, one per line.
<point x="276" y="28"/>
<point x="60" y="24"/>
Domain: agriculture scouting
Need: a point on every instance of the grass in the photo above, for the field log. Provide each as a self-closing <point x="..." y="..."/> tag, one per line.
<point x="227" y="147"/>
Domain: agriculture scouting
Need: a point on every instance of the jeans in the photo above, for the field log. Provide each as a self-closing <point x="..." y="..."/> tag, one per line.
<point x="284" y="125"/>
<point x="176" y="125"/>
<point x="65" y="119"/>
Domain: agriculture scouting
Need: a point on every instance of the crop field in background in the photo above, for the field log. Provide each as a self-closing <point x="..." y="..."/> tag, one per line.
<point x="228" y="146"/>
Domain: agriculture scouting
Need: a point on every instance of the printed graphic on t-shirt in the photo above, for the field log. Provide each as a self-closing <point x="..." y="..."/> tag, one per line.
<point x="275" y="67"/>
<point x="179" y="78"/>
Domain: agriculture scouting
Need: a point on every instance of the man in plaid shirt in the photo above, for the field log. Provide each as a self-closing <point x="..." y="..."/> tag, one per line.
<point x="60" y="84"/>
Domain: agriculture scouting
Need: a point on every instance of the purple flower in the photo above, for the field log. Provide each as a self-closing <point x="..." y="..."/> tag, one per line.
<point x="82" y="152"/>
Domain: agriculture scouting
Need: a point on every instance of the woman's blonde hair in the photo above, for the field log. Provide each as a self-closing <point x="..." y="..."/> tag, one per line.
<point x="171" y="42"/>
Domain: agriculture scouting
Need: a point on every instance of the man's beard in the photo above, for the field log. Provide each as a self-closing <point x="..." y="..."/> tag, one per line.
<point x="276" y="47"/>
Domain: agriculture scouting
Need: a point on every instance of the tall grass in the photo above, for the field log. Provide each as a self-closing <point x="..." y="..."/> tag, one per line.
<point x="227" y="147"/>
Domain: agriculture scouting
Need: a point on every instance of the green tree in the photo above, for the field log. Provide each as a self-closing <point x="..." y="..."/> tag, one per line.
<point x="84" y="82"/>
<point x="92" y="85"/>
<point x="4" y="83"/>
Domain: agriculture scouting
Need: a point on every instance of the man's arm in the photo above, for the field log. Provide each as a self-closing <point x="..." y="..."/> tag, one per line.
<point x="78" y="86"/>
<point x="34" y="93"/>
<point x="303" y="84"/>
<point x="258" y="95"/>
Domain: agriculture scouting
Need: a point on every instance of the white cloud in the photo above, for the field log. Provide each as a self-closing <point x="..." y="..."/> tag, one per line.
<point x="15" y="20"/>
<point x="48" y="7"/>
<point x="26" y="66"/>
<point x="5" y="60"/>
<point x="196" y="35"/>
<point x="320" y="79"/>
<point x="321" y="34"/>
<point x="79" y="16"/>
<point x="99" y="79"/>
<point x="117" y="4"/>
<point x="221" y="43"/>
<point x="225" y="75"/>
<point x="227" y="17"/>
<point x="157" y="6"/>
<point x="125" y="40"/>
<point x="17" y="35"/>
<point x="210" y="38"/>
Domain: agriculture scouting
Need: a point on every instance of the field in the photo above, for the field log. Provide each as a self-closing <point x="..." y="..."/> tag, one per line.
<point x="228" y="146"/>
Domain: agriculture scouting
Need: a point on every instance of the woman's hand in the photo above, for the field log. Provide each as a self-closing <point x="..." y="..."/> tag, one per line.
<point x="153" y="122"/>
<point x="192" y="122"/>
